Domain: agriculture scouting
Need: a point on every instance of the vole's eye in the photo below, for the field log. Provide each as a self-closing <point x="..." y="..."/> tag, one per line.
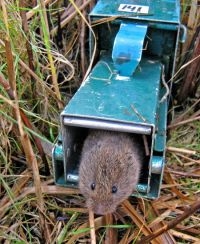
<point x="114" y="189"/>
<point x="92" y="186"/>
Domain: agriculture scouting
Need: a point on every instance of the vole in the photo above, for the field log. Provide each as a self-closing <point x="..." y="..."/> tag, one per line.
<point x="109" y="169"/>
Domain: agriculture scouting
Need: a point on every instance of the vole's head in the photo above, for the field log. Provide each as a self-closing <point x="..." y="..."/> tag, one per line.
<point x="106" y="178"/>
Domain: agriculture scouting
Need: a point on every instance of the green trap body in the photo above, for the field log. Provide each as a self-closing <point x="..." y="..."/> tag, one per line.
<point x="126" y="90"/>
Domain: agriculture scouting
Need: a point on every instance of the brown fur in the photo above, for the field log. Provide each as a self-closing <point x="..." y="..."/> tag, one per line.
<point x="108" y="159"/>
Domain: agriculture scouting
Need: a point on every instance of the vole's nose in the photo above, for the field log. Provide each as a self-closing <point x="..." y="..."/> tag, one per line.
<point x="100" y="209"/>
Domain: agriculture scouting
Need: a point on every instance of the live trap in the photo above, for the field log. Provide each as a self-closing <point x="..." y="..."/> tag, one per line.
<point x="126" y="90"/>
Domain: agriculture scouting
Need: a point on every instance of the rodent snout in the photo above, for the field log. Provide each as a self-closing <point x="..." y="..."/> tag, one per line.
<point x="103" y="208"/>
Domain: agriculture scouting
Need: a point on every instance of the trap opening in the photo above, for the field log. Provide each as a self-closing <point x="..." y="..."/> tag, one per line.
<point x="66" y="166"/>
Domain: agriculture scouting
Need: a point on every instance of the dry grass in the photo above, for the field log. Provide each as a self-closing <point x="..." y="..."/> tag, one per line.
<point x="33" y="62"/>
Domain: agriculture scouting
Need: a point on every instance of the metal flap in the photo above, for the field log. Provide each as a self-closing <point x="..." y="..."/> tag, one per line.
<point x="128" y="46"/>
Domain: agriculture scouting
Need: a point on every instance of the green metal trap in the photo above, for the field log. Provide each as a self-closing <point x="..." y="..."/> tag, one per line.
<point x="126" y="90"/>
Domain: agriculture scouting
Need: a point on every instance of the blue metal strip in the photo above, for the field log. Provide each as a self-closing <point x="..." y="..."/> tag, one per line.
<point x="127" y="48"/>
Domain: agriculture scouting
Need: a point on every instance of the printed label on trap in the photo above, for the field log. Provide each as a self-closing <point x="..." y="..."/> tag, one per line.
<point x="131" y="8"/>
